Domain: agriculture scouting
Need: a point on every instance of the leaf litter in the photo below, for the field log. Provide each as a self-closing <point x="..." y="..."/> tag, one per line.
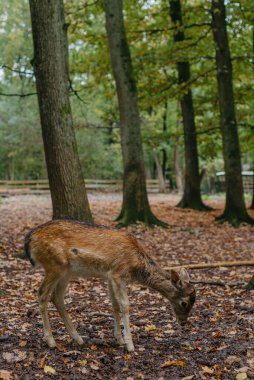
<point x="217" y="344"/>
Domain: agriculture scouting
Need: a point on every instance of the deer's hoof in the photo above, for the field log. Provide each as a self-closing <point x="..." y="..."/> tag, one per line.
<point x="120" y="341"/>
<point x="51" y="342"/>
<point x="79" y="340"/>
<point x="130" y="347"/>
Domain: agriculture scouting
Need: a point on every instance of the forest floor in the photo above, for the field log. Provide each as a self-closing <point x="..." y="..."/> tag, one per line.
<point x="218" y="343"/>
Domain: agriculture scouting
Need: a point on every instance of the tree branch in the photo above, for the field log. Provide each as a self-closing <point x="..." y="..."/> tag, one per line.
<point x="75" y="92"/>
<point x="157" y="30"/>
<point x="25" y="73"/>
<point x="19" y="95"/>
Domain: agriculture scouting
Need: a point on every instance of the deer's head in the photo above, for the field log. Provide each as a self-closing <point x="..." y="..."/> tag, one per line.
<point x="184" y="295"/>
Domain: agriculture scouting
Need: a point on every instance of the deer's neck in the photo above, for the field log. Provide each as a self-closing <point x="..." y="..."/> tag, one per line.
<point x="154" y="277"/>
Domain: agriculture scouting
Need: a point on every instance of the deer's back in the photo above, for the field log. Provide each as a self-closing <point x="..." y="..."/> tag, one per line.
<point x="83" y="248"/>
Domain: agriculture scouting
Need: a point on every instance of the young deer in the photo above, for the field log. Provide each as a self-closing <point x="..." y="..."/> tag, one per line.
<point x="66" y="248"/>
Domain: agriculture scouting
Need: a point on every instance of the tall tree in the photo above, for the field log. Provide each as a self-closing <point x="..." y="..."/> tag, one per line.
<point x="50" y="63"/>
<point x="235" y="210"/>
<point x="135" y="205"/>
<point x="192" y="193"/>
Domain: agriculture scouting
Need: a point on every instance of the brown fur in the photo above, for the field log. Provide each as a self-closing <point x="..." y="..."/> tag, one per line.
<point x="66" y="248"/>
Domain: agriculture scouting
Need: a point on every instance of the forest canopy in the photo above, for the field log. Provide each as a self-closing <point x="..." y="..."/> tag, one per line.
<point x="92" y="88"/>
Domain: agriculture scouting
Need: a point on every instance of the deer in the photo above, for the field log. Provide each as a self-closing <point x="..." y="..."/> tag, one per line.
<point x="70" y="248"/>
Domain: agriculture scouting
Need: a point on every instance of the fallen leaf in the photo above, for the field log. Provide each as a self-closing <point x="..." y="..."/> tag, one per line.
<point x="83" y="363"/>
<point x="250" y="362"/>
<point x="207" y="369"/>
<point x="232" y="359"/>
<point x="9" y="357"/>
<point x="15" y="356"/>
<point x="170" y="363"/>
<point x="42" y="362"/>
<point x="188" y="348"/>
<point x="150" y="328"/>
<point x="241" y="376"/>
<point x="22" y="343"/>
<point x="49" y="369"/>
<point x="5" y="375"/>
<point x="94" y="365"/>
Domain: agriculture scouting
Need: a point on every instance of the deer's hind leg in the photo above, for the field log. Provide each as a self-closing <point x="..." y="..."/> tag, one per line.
<point x="117" y="315"/>
<point x="45" y="290"/>
<point x="58" y="300"/>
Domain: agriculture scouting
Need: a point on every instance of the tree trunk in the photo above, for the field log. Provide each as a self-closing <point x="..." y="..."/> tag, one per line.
<point x="164" y="152"/>
<point x="162" y="182"/>
<point x="192" y="194"/>
<point x="135" y="205"/>
<point x="235" y="210"/>
<point x="50" y="63"/>
<point x="252" y="202"/>
<point x="177" y="167"/>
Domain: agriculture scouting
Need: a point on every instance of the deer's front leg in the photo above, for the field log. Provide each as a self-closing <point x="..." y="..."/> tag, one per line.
<point x="120" y="292"/>
<point x="117" y="316"/>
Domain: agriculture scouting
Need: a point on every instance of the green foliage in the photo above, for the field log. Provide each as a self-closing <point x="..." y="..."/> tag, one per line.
<point x="154" y="56"/>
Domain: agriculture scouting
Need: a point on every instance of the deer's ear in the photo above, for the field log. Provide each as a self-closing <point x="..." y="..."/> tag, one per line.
<point x="175" y="278"/>
<point x="184" y="275"/>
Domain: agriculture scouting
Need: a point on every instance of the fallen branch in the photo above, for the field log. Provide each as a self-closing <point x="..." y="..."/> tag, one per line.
<point x="214" y="283"/>
<point x="219" y="283"/>
<point x="214" y="265"/>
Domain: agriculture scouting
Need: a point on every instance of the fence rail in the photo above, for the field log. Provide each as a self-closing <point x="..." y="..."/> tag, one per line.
<point x="40" y="186"/>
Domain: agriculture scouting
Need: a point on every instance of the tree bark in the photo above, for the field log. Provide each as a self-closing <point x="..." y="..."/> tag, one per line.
<point x="50" y="63"/>
<point x="135" y="206"/>
<point x="252" y="202"/>
<point x="164" y="152"/>
<point x="235" y="210"/>
<point x="177" y="167"/>
<point x="162" y="182"/>
<point x="192" y="194"/>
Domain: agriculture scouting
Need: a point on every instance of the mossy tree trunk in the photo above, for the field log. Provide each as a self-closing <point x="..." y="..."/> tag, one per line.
<point x="235" y="210"/>
<point x="252" y="202"/>
<point x="135" y="206"/>
<point x="50" y="63"/>
<point x="192" y="193"/>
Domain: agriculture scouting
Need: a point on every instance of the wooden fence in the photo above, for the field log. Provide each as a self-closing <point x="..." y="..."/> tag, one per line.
<point x="41" y="186"/>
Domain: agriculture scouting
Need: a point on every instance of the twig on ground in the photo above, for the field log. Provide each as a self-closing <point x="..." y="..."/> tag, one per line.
<point x="219" y="283"/>
<point x="214" y="265"/>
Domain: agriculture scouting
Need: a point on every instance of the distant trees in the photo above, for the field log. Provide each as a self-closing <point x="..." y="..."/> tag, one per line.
<point x="50" y="64"/>
<point x="162" y="57"/>
<point x="135" y="206"/>
<point x="235" y="210"/>
<point x="192" y="178"/>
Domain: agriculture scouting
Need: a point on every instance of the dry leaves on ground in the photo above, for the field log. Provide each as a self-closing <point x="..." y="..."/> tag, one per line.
<point x="218" y="343"/>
